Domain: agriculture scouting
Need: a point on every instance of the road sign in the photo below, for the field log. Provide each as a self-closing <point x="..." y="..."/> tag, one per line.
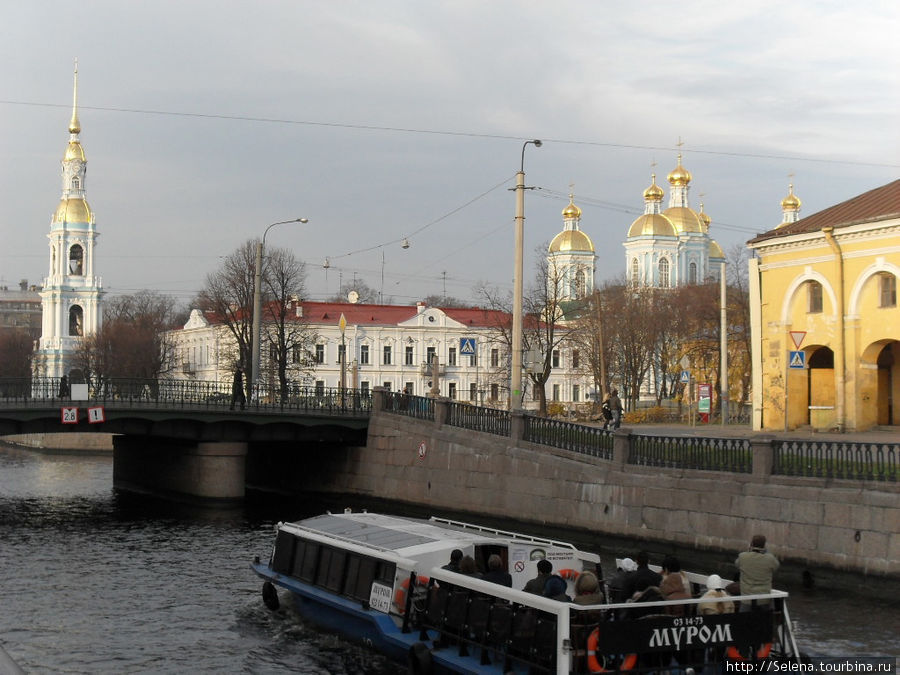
<point x="685" y="377"/>
<point x="797" y="336"/>
<point x="96" y="415"/>
<point x="69" y="415"/>
<point x="797" y="359"/>
<point x="467" y="346"/>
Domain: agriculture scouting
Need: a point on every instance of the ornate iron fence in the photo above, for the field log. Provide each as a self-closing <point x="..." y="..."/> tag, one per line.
<point x="685" y="452"/>
<point x="402" y="403"/>
<point x="593" y="441"/>
<point x="477" y="418"/>
<point x="142" y="392"/>
<point x="837" y="459"/>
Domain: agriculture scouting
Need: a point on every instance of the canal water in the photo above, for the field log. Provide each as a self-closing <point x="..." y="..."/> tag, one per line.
<point x="95" y="581"/>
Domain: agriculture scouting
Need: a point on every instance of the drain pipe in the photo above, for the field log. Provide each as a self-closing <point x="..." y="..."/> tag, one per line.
<point x="828" y="231"/>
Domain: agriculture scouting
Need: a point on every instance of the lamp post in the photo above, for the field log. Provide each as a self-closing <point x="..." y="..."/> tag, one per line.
<point x="343" y="326"/>
<point x="257" y="301"/>
<point x="515" y="379"/>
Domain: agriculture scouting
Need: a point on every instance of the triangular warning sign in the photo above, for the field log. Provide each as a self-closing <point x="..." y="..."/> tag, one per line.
<point x="797" y="360"/>
<point x="797" y="336"/>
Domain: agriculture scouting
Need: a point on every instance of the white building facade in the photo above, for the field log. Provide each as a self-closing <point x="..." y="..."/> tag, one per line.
<point x="72" y="292"/>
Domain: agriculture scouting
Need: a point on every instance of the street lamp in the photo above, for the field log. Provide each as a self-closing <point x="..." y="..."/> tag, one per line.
<point x="515" y="380"/>
<point x="257" y="300"/>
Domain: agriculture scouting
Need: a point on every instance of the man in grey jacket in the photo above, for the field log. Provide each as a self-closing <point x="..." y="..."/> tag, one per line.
<point x="757" y="567"/>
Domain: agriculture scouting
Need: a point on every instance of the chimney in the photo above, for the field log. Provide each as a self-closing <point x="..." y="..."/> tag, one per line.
<point x="420" y="307"/>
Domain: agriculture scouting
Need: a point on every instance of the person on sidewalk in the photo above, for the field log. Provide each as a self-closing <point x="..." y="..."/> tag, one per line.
<point x="237" y="389"/>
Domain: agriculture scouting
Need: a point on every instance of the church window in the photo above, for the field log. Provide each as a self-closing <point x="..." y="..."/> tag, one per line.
<point x="76" y="321"/>
<point x="664" y="273"/>
<point x="580" y="284"/>
<point x="76" y="260"/>
<point x="814" y="292"/>
<point x="635" y="272"/>
<point x="692" y="273"/>
<point x="888" y="284"/>
<point x="76" y="183"/>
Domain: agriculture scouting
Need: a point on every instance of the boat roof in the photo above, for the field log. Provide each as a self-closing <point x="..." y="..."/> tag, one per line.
<point x="409" y="537"/>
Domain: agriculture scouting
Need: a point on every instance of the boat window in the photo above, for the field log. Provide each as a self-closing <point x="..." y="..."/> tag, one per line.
<point x="324" y="565"/>
<point x="299" y="552"/>
<point x="335" y="577"/>
<point x="350" y="581"/>
<point x="282" y="558"/>
<point x="386" y="572"/>
<point x="310" y="558"/>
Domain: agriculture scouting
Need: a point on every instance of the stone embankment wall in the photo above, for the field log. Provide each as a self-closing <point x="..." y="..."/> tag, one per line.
<point x="841" y="525"/>
<point x="73" y="442"/>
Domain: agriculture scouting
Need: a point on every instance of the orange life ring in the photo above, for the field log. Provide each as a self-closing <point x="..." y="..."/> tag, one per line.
<point x="594" y="666"/>
<point x="569" y="574"/>
<point x="403" y="589"/>
<point x="761" y="653"/>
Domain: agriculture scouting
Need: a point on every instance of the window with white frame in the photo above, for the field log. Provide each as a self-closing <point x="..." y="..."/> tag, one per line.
<point x="364" y="355"/>
<point x="495" y="357"/>
<point x="556" y="358"/>
<point x="664" y="273"/>
<point x="576" y="393"/>
<point x="814" y="292"/>
<point x="320" y="353"/>
<point x="410" y="355"/>
<point x="386" y="355"/>
<point x="451" y="356"/>
<point x="888" y="290"/>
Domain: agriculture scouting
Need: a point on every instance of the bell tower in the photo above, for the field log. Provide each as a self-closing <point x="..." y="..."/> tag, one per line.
<point x="72" y="292"/>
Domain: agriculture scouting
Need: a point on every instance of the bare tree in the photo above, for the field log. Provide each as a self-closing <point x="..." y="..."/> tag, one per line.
<point x="364" y="292"/>
<point x="16" y="348"/>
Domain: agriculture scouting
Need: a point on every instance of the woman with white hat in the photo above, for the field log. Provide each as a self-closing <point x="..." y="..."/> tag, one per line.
<point x="715" y="586"/>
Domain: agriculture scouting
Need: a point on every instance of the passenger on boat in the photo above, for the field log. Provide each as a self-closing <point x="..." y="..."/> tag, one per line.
<point x="555" y="589"/>
<point x="757" y="567"/>
<point x="467" y="567"/>
<point x="675" y="585"/>
<point x="618" y="583"/>
<point x="715" y="590"/>
<point x="455" y="556"/>
<point x="496" y="574"/>
<point x="536" y="585"/>
<point x="643" y="576"/>
<point x="587" y="589"/>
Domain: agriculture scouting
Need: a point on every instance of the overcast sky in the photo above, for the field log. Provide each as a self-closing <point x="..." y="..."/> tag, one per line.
<point x="203" y="122"/>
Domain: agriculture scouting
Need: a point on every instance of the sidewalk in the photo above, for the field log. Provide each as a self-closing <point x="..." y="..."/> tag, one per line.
<point x="880" y="435"/>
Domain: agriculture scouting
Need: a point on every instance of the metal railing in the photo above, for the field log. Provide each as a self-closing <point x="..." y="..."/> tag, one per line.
<point x="837" y="459"/>
<point x="145" y="392"/>
<point x="593" y="441"/>
<point x="402" y="403"/>
<point x="477" y="418"/>
<point x="680" y="452"/>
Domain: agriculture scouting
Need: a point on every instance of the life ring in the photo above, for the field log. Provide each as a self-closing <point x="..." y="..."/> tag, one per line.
<point x="403" y="589"/>
<point x="270" y="596"/>
<point x="761" y="653"/>
<point x="569" y="574"/>
<point x="593" y="662"/>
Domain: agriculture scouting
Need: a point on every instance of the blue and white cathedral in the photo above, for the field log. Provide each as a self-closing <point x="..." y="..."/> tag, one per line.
<point x="72" y="292"/>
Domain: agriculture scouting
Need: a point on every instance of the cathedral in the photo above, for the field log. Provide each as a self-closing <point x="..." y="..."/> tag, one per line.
<point x="71" y="295"/>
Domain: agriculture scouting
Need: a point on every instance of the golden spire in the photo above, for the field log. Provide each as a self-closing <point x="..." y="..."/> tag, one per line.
<point x="74" y="124"/>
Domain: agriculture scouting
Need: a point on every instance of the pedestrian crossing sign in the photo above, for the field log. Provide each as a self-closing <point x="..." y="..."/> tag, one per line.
<point x="685" y="377"/>
<point x="467" y="346"/>
<point x="797" y="359"/>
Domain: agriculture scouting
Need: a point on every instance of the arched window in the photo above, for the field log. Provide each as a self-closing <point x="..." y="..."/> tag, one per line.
<point x="887" y="290"/>
<point x="664" y="273"/>
<point x="814" y="291"/>
<point x="580" y="284"/>
<point x="76" y="260"/>
<point x="76" y="321"/>
<point x="692" y="273"/>
<point x="635" y="272"/>
<point x="76" y="183"/>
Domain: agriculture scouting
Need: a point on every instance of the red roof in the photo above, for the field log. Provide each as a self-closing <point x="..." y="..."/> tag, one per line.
<point x="878" y="204"/>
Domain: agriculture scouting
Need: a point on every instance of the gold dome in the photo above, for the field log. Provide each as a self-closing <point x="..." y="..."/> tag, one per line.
<point x="704" y="218"/>
<point x="571" y="240"/>
<point x="679" y="175"/>
<point x="571" y="211"/>
<point x="75" y="210"/>
<point x="653" y="224"/>
<point x="791" y="202"/>
<point x="654" y="193"/>
<point x="74" y="151"/>
<point x="684" y="219"/>
<point x="715" y="251"/>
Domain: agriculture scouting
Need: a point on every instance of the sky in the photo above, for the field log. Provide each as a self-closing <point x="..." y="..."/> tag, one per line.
<point x="205" y="122"/>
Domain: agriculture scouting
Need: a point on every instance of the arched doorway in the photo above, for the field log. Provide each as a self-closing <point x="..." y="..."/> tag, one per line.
<point x="885" y="388"/>
<point x="821" y="389"/>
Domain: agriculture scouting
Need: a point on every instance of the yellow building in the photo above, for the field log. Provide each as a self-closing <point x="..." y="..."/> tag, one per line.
<point x="824" y="316"/>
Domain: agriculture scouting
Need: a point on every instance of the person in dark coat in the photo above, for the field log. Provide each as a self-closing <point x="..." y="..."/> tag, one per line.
<point x="237" y="389"/>
<point x="455" y="556"/>
<point x="496" y="573"/>
<point x="64" y="387"/>
<point x="643" y="577"/>
<point x="536" y="585"/>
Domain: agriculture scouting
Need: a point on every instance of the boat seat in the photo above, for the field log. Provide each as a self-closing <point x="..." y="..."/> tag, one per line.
<point x="437" y="604"/>
<point x="457" y="608"/>
<point x="523" y="629"/>
<point x="543" y="647"/>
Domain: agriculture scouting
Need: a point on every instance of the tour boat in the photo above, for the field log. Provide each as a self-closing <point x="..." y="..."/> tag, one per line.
<point x="380" y="580"/>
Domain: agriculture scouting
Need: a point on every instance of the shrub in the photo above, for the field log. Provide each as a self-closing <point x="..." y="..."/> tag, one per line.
<point x="647" y="415"/>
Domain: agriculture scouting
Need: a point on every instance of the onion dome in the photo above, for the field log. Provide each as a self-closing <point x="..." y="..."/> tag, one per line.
<point x="72" y="210"/>
<point x="791" y="202"/>
<point x="571" y="211"/>
<point x="74" y="151"/>
<point x="571" y="240"/>
<point x="684" y="219"/>
<point x="704" y="218"/>
<point x="654" y="193"/>
<point x="715" y="251"/>
<point x="679" y="175"/>
<point x="652" y="224"/>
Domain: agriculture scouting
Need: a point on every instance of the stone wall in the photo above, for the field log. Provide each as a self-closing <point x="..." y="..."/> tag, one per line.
<point x="842" y="525"/>
<point x="72" y="442"/>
